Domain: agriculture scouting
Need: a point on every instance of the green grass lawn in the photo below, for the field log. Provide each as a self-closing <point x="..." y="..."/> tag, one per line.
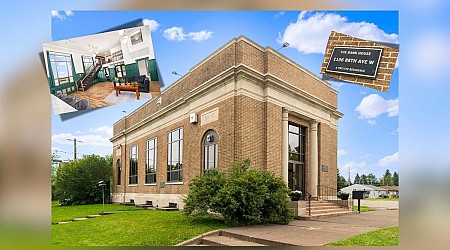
<point x="382" y="199"/>
<point x="135" y="227"/>
<point x="382" y="237"/>
<point x="66" y="213"/>
<point x="363" y="208"/>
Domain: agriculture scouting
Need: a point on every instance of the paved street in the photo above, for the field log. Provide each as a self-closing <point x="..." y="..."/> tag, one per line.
<point x="379" y="204"/>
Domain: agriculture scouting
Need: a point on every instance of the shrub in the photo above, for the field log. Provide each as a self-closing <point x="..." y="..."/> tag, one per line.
<point x="242" y="196"/>
<point x="202" y="190"/>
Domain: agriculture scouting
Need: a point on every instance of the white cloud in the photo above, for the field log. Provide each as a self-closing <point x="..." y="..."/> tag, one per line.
<point x="374" y="105"/>
<point x="309" y="34"/>
<point x="108" y="130"/>
<point x="354" y="166"/>
<point x="152" y="23"/>
<point x="62" y="15"/>
<point x="177" y="34"/>
<point x="279" y="14"/>
<point x="91" y="140"/>
<point x="174" y="33"/>
<point x="372" y="122"/>
<point x="200" y="36"/>
<point x="390" y="160"/>
<point x="69" y="13"/>
<point x="394" y="132"/>
<point x="341" y="152"/>
<point x="366" y="155"/>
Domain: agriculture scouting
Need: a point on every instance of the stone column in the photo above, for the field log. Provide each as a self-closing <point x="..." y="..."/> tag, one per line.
<point x="285" y="143"/>
<point x="314" y="158"/>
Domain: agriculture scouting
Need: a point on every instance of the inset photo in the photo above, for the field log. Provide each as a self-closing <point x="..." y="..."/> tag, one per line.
<point x="101" y="70"/>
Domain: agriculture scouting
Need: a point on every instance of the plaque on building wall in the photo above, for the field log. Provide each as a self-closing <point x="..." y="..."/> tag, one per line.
<point x="355" y="61"/>
<point x="210" y="116"/>
<point x="324" y="168"/>
<point x="118" y="152"/>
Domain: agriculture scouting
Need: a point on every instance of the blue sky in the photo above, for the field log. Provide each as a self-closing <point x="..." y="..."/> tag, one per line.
<point x="368" y="133"/>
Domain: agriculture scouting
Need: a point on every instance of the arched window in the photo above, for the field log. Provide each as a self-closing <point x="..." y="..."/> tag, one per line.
<point x="119" y="172"/>
<point x="210" y="151"/>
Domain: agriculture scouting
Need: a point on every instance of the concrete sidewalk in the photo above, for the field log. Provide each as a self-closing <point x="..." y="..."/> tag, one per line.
<point x="322" y="231"/>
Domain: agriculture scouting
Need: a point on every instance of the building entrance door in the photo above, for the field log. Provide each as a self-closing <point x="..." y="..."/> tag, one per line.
<point x="296" y="176"/>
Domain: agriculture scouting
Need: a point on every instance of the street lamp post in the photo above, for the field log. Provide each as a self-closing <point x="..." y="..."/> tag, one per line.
<point x="103" y="184"/>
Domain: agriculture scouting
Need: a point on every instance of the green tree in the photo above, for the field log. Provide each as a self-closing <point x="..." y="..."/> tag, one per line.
<point x="395" y="179"/>
<point x="340" y="181"/>
<point x="372" y="180"/>
<point x="357" y="179"/>
<point x="388" y="178"/>
<point x="363" y="179"/>
<point x="55" y="161"/>
<point x="77" y="182"/>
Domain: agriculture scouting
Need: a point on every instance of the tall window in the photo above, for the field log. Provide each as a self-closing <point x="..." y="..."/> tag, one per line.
<point x="120" y="70"/>
<point x="210" y="151"/>
<point x="133" y="164"/>
<point x="61" y="67"/>
<point x="88" y="61"/>
<point x="119" y="172"/>
<point x="175" y="155"/>
<point x="150" y="162"/>
<point x="297" y="143"/>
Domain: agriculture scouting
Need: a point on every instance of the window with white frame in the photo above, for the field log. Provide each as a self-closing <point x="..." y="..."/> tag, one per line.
<point x="150" y="161"/>
<point x="175" y="155"/>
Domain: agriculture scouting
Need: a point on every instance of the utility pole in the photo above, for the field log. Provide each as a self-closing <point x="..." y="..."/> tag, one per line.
<point x="349" y="180"/>
<point x="74" y="147"/>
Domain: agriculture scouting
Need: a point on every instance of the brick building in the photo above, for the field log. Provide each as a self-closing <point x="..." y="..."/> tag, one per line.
<point x="241" y="101"/>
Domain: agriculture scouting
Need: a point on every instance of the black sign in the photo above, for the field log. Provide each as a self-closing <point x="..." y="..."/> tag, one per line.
<point x="355" y="61"/>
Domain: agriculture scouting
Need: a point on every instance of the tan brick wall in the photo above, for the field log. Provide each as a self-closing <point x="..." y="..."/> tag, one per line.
<point x="279" y="67"/>
<point x="250" y="131"/>
<point x="327" y="137"/>
<point x="385" y="69"/>
<point x="274" y="137"/>
<point x="192" y="152"/>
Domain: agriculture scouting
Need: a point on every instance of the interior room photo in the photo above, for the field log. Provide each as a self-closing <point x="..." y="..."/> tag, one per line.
<point x="101" y="70"/>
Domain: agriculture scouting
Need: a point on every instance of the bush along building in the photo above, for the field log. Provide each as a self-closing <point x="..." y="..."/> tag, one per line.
<point x="242" y="101"/>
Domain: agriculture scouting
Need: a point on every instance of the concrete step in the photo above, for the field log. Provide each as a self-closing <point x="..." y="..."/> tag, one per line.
<point x="216" y="240"/>
<point x="324" y="215"/>
<point x="325" y="206"/>
<point x="328" y="211"/>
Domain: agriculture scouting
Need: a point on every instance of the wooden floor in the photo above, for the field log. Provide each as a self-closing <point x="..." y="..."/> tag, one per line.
<point x="98" y="92"/>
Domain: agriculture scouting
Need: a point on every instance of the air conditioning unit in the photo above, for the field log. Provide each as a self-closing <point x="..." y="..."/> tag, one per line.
<point x="193" y="118"/>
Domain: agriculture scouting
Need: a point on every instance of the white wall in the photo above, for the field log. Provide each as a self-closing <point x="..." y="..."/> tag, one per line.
<point x="141" y="50"/>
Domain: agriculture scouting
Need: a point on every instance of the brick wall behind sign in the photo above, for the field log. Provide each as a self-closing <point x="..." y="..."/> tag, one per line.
<point x="385" y="69"/>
